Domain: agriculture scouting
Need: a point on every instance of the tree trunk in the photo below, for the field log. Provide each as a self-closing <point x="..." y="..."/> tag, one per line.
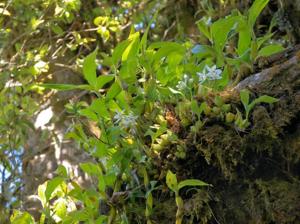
<point x="47" y="147"/>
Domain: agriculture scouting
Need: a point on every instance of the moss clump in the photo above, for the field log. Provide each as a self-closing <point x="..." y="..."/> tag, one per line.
<point x="273" y="201"/>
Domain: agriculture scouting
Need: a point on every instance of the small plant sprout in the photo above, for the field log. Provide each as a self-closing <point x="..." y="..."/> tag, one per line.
<point x="245" y="98"/>
<point x="209" y="73"/>
<point x="173" y="185"/>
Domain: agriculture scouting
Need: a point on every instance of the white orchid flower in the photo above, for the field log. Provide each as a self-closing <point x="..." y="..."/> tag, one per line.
<point x="213" y="73"/>
<point x="202" y="76"/>
<point x="129" y="120"/>
<point x="209" y="73"/>
<point x="118" y="117"/>
<point x="126" y="121"/>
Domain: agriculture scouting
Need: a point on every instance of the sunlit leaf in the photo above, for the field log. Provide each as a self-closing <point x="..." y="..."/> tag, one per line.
<point x="204" y="28"/>
<point x="171" y="181"/>
<point x="89" y="114"/>
<point x="102" y="80"/>
<point x="62" y="171"/>
<point x="244" y="94"/>
<point x="244" y="36"/>
<point x="220" y="30"/>
<point x="62" y="87"/>
<point x="132" y="49"/>
<point x="60" y="207"/>
<point x="192" y="182"/>
<point x="89" y="68"/>
<point x="90" y="168"/>
<point x="118" y="51"/>
<point x="101" y="183"/>
<point x="52" y="185"/>
<point x="143" y="43"/>
<point x="114" y="90"/>
<point x="21" y="218"/>
<point x="41" y="194"/>
<point x="99" y="107"/>
<point x="255" y="11"/>
<point x="269" y="50"/>
<point x="263" y="99"/>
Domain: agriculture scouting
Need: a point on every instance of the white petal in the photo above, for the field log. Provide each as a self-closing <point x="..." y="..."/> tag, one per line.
<point x="207" y="68"/>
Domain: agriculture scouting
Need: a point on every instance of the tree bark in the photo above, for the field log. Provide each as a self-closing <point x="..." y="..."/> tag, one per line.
<point x="47" y="147"/>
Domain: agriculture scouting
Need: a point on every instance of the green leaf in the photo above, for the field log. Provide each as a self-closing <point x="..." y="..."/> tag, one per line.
<point x="244" y="42"/>
<point x="57" y="29"/>
<point x="262" y="40"/>
<point x="41" y="194"/>
<point x="128" y="70"/>
<point x="101" y="219"/>
<point x="89" y="114"/>
<point x="89" y="68"/>
<point x="61" y="86"/>
<point x="114" y="90"/>
<point x="52" y="185"/>
<point x="244" y="94"/>
<point x="110" y="179"/>
<point x="220" y="30"/>
<point x="174" y="59"/>
<point x="132" y="49"/>
<point x="171" y="181"/>
<point x="99" y="107"/>
<point x="239" y="121"/>
<point x="192" y="182"/>
<point x="122" y="101"/>
<point x="102" y="80"/>
<point x="21" y="218"/>
<point x="195" y="108"/>
<point x="204" y="28"/>
<point x="269" y="50"/>
<point x="255" y="11"/>
<point x="101" y="20"/>
<point x="101" y="183"/>
<point x="263" y="99"/>
<point x="266" y="99"/>
<point x="166" y="48"/>
<point x="118" y="51"/>
<point x="174" y="91"/>
<point x="90" y="168"/>
<point x="223" y="82"/>
<point x="149" y="200"/>
<point x="62" y="171"/>
<point x="60" y="207"/>
<point x="218" y="101"/>
<point x="253" y="50"/>
<point x="101" y="150"/>
<point x="143" y="43"/>
<point x="204" y="107"/>
<point x="82" y="215"/>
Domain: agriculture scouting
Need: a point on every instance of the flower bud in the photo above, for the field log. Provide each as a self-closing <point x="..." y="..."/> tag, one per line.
<point x="230" y="117"/>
